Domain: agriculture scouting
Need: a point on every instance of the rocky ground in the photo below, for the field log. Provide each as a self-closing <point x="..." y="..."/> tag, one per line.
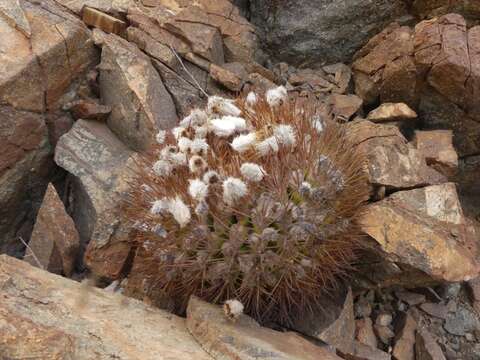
<point x="86" y="84"/>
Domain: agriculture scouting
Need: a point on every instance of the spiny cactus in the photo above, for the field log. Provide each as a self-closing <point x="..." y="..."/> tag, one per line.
<point x="254" y="199"/>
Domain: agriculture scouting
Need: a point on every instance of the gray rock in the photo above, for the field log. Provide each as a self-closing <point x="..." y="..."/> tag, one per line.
<point x="313" y="31"/>
<point x="462" y="321"/>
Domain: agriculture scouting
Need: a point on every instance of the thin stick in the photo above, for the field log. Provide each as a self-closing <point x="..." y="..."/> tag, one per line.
<point x="32" y="253"/>
<point x="188" y="72"/>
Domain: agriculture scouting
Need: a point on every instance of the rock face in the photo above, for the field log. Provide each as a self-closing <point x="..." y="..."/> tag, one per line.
<point x="434" y="68"/>
<point x="44" y="49"/>
<point x="436" y="242"/>
<point x="316" y="31"/>
<point x="244" y="339"/>
<point x="47" y="316"/>
<point x="428" y="8"/>
<point x="132" y="87"/>
<point x="54" y="242"/>
<point x="99" y="162"/>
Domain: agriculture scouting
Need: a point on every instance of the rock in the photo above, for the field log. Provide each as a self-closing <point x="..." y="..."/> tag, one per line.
<point x="410" y="298"/>
<point x="344" y="106"/>
<point x="392" y="162"/>
<point x="333" y="322"/>
<point x="384" y="319"/>
<point x="26" y="167"/>
<point x="99" y="163"/>
<point x="437" y="148"/>
<point x="437" y="310"/>
<point x="45" y="315"/>
<point x="105" y="22"/>
<point x="474" y="287"/>
<point x="244" y="338"/>
<point x="58" y="124"/>
<point x="429" y="9"/>
<point x="436" y="241"/>
<point x="129" y="83"/>
<point x="363" y="308"/>
<point x="426" y="348"/>
<point x="299" y="31"/>
<point x="365" y="333"/>
<point x="388" y="112"/>
<point x="115" y="7"/>
<point x="226" y="78"/>
<point x="365" y="352"/>
<point x="462" y="321"/>
<point x="54" y="242"/>
<point x="404" y="347"/>
<point x="37" y="71"/>
<point x="384" y="333"/>
<point x="88" y="109"/>
<point x="13" y="14"/>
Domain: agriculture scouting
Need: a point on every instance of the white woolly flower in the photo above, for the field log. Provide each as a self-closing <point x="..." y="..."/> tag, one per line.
<point x="201" y="132"/>
<point x="244" y="142"/>
<point x="233" y="309"/>
<point x="201" y="209"/>
<point x="160" y="137"/>
<point x="276" y="96"/>
<point x="227" y="125"/>
<point x="233" y="190"/>
<point x="285" y="135"/>
<point x="211" y="177"/>
<point x="317" y="123"/>
<point x="222" y="106"/>
<point x="184" y="144"/>
<point x="178" y="132"/>
<point x="162" y="168"/>
<point x="251" y="99"/>
<point x="197" y="189"/>
<point x="179" y="211"/>
<point x="159" y="206"/>
<point x="197" y="117"/>
<point x="178" y="159"/>
<point x="198" y="146"/>
<point x="267" y="146"/>
<point x="197" y="164"/>
<point x="252" y="172"/>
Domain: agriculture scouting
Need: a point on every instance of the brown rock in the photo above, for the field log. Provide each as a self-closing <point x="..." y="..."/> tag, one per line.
<point x="344" y="106"/>
<point x="129" y="83"/>
<point x="384" y="333"/>
<point x="437" y="148"/>
<point x="437" y="310"/>
<point x="58" y="124"/>
<point x="384" y="319"/>
<point x="11" y="11"/>
<point x="226" y="77"/>
<point x="404" y="348"/>
<point x="391" y="112"/>
<point x="25" y="170"/>
<point x="152" y="47"/>
<point x="365" y="352"/>
<point x="88" y="109"/>
<point x="99" y="163"/>
<point x="436" y="242"/>
<point x="365" y="333"/>
<point x="38" y="70"/>
<point x="244" y="338"/>
<point x="392" y="162"/>
<point x="474" y="287"/>
<point x="410" y="298"/>
<point x="429" y="9"/>
<point x="333" y="322"/>
<point x="54" y="243"/>
<point x="47" y="316"/>
<point x="426" y="348"/>
<point x="105" y="22"/>
<point x="107" y="6"/>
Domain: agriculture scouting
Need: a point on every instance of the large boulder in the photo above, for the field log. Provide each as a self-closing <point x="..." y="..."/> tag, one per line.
<point x="100" y="164"/>
<point x="313" y="31"/>
<point x="425" y="229"/>
<point x="434" y="68"/>
<point x="49" y="317"/>
<point x="44" y="50"/>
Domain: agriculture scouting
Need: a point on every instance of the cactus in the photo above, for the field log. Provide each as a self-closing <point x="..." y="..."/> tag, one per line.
<point x="254" y="199"/>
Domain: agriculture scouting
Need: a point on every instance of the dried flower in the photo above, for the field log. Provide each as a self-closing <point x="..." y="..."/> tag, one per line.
<point x="197" y="189"/>
<point x="233" y="309"/>
<point x="159" y="206"/>
<point x="222" y="106"/>
<point x="160" y="137"/>
<point x="285" y="135"/>
<point x="276" y="96"/>
<point x="267" y="146"/>
<point x="197" y="164"/>
<point x="179" y="211"/>
<point x="211" y="177"/>
<point x="178" y="132"/>
<point x="184" y="144"/>
<point x="233" y="189"/>
<point x="162" y="168"/>
<point x="198" y="146"/>
<point x="252" y="172"/>
<point x="227" y="125"/>
<point x="251" y="99"/>
<point x="244" y="142"/>
<point x="197" y="117"/>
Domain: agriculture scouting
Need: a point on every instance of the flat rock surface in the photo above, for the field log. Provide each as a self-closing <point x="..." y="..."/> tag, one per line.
<point x="46" y="316"/>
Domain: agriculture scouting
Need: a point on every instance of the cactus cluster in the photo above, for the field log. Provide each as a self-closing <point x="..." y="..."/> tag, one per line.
<point x="254" y="199"/>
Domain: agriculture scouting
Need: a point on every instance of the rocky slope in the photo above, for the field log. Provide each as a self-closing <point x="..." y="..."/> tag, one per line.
<point x="86" y="84"/>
